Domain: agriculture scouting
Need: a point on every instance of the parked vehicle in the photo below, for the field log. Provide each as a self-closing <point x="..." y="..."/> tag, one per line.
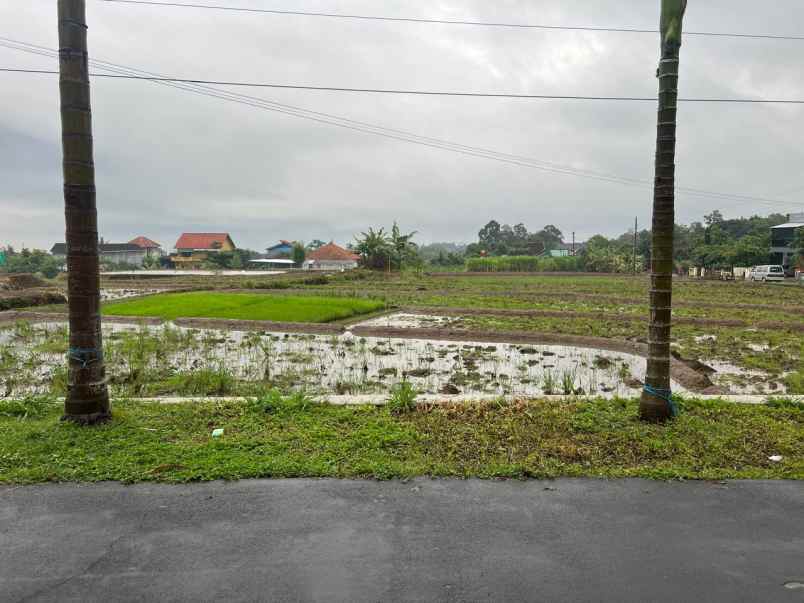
<point x="767" y="273"/>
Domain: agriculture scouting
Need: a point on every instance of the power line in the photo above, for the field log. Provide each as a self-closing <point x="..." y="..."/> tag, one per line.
<point x="391" y="133"/>
<point x="451" y="21"/>
<point x="308" y="87"/>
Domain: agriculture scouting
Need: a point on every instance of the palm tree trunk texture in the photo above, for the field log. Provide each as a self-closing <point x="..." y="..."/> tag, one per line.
<point x="656" y="404"/>
<point x="87" y="399"/>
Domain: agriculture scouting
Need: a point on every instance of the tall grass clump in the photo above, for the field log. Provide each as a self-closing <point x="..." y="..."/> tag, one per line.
<point x="403" y="398"/>
<point x="523" y="263"/>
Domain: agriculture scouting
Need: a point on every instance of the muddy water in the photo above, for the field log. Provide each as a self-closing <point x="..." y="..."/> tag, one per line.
<point x="345" y="364"/>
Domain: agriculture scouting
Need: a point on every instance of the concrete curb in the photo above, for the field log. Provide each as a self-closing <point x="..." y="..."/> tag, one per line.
<point x="382" y="399"/>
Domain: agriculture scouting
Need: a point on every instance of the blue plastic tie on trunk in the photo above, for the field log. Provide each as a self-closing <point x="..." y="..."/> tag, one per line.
<point x="663" y="394"/>
<point x="85" y="356"/>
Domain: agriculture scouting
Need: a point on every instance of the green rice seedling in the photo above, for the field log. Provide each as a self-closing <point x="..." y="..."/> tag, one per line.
<point x="24" y="330"/>
<point x="548" y="382"/>
<point x="794" y="382"/>
<point x="403" y="398"/>
<point x="268" y="355"/>
<point x="203" y="382"/>
<point x="568" y="382"/>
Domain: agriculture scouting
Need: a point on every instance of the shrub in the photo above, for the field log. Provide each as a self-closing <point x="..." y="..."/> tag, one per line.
<point x="275" y="403"/>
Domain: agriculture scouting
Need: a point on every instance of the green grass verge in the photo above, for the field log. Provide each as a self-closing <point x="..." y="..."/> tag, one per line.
<point x="243" y="306"/>
<point x="292" y="437"/>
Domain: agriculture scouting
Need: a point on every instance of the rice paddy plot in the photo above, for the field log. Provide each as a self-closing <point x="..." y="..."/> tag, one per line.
<point x="244" y="306"/>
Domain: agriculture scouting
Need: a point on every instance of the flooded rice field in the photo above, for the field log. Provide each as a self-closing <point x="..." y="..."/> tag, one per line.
<point x="171" y="360"/>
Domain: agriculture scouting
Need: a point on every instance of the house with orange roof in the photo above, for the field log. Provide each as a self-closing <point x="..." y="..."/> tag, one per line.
<point x="151" y="247"/>
<point x="193" y="248"/>
<point x="331" y="257"/>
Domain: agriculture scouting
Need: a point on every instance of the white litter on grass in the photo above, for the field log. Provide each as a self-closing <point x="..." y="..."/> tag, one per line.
<point x="776" y="458"/>
<point x="216" y="433"/>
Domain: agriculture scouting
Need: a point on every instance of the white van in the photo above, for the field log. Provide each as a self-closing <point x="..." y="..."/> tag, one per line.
<point x="767" y="273"/>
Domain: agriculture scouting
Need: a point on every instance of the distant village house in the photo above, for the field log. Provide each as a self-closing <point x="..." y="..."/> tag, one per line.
<point x="128" y="254"/>
<point x="783" y="238"/>
<point x="283" y="249"/>
<point x="331" y="257"/>
<point x="193" y="248"/>
<point x="152" y="248"/>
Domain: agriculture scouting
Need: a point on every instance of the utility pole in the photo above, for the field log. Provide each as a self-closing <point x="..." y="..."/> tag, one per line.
<point x="87" y="399"/>
<point x="573" y="242"/>
<point x="636" y="230"/>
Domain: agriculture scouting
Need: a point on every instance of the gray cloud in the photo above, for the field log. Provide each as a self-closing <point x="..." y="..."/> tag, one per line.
<point x="169" y="161"/>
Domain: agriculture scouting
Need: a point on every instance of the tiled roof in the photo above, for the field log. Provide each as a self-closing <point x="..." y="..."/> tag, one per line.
<point x="330" y="252"/>
<point x="201" y="240"/>
<point x="145" y="243"/>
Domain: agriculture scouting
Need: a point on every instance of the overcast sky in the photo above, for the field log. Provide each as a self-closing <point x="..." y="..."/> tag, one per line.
<point x="169" y="161"/>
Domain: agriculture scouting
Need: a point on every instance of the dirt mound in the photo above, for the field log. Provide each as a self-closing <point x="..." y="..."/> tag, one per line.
<point x="20" y="282"/>
<point x="25" y="299"/>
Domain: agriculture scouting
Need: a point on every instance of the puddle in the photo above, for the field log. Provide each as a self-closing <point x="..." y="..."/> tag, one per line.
<point x="742" y="381"/>
<point x="331" y="364"/>
<point x="115" y="294"/>
<point x="402" y="320"/>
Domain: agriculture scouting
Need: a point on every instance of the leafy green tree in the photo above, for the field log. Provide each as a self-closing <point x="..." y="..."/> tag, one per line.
<point x="151" y="262"/>
<point x="387" y="251"/>
<point x="374" y="247"/>
<point x="298" y="254"/>
<point x="490" y="236"/>
<point x="34" y="262"/>
<point x="404" y="251"/>
<point x="229" y="260"/>
<point x="550" y="236"/>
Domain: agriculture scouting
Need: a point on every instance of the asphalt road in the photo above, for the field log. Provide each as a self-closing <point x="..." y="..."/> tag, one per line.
<point x="423" y="540"/>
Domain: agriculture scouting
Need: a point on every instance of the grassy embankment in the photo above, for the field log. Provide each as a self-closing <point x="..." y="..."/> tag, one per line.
<point x="292" y="437"/>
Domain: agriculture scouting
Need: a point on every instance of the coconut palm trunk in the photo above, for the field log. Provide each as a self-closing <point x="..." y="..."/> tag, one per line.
<point x="87" y="399"/>
<point x="656" y="404"/>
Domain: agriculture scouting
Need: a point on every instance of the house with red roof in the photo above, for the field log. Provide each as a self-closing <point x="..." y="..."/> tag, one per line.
<point x="331" y="257"/>
<point x="193" y="248"/>
<point x="151" y="247"/>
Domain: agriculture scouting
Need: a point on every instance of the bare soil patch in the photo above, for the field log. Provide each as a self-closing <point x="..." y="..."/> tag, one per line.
<point x="607" y="316"/>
